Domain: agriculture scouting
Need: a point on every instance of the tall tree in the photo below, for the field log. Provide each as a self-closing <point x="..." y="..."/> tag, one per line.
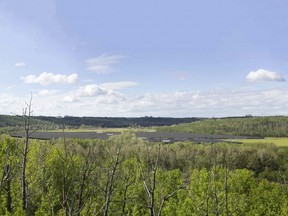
<point x="27" y="113"/>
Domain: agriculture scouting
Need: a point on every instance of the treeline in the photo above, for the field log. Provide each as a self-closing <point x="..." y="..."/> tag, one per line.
<point x="14" y="123"/>
<point x="128" y="176"/>
<point x="115" y="122"/>
<point x="49" y="123"/>
<point x="274" y="126"/>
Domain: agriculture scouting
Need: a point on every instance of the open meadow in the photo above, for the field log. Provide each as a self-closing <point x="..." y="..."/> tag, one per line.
<point x="280" y="142"/>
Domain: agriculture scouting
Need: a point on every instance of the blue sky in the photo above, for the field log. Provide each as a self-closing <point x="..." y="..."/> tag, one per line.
<point x="134" y="58"/>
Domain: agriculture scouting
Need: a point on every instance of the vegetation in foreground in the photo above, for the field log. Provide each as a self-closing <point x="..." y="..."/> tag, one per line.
<point x="128" y="176"/>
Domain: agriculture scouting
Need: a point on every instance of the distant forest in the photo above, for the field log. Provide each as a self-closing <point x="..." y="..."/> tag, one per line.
<point x="269" y="126"/>
<point x="48" y="122"/>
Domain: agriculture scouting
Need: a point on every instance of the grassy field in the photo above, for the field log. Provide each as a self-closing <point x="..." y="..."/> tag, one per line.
<point x="104" y="130"/>
<point x="281" y="142"/>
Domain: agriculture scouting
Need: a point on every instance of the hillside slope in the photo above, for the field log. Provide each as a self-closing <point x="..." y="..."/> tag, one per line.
<point x="272" y="126"/>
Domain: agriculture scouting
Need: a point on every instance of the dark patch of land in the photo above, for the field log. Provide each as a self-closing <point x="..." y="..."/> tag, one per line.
<point x="165" y="137"/>
<point x="116" y="122"/>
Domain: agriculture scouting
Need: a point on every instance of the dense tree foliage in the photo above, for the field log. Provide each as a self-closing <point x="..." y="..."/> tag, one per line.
<point x="10" y="123"/>
<point x="276" y="126"/>
<point x="128" y="176"/>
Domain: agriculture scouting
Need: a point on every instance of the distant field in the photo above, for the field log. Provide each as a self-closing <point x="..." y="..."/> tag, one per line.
<point x="104" y="130"/>
<point x="164" y="137"/>
<point x="283" y="142"/>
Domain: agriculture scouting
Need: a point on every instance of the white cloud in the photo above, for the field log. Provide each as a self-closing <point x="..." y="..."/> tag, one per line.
<point x="91" y="90"/>
<point x="264" y="75"/>
<point x="106" y="91"/>
<point x="20" y="64"/>
<point x="93" y="100"/>
<point x="93" y="94"/>
<point x="10" y="104"/>
<point x="103" y="64"/>
<point x="70" y="99"/>
<point x="49" y="78"/>
<point x="87" y="91"/>
<point x="118" y="85"/>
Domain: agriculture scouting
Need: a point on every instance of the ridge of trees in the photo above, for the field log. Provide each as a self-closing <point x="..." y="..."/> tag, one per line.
<point x="49" y="122"/>
<point x="270" y="126"/>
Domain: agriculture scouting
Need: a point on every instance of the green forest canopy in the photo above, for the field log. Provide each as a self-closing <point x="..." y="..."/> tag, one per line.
<point x="128" y="176"/>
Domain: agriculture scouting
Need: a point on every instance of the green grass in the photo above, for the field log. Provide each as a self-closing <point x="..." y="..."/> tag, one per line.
<point x="280" y="142"/>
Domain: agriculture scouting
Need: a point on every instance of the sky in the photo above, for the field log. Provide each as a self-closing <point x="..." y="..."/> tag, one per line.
<point x="134" y="58"/>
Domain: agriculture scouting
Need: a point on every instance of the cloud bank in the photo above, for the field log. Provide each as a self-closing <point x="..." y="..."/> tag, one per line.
<point x="107" y="99"/>
<point x="93" y="100"/>
<point x="20" y="64"/>
<point x="262" y="75"/>
<point x="50" y="78"/>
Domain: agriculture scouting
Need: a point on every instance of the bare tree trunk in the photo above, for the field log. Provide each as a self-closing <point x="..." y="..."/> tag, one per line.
<point x="27" y="112"/>
<point x="110" y="183"/>
<point x="125" y="199"/>
<point x="65" y="189"/>
<point x="151" y="186"/>
<point x="166" y="198"/>
<point x="86" y="173"/>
